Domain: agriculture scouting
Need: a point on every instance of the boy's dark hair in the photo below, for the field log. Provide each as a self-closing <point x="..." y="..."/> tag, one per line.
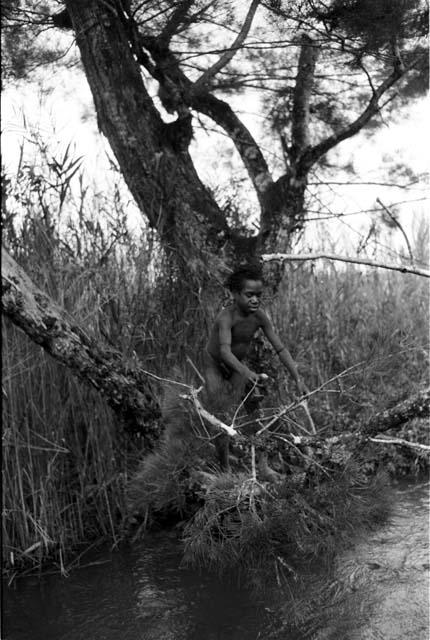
<point x="248" y="272"/>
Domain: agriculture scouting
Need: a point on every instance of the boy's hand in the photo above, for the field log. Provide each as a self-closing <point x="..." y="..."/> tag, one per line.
<point x="252" y="377"/>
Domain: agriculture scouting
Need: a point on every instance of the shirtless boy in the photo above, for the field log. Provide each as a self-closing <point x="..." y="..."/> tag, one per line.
<point x="230" y="339"/>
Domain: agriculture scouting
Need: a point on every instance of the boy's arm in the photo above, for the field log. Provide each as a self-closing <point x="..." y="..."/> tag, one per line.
<point x="224" y="325"/>
<point x="282" y="352"/>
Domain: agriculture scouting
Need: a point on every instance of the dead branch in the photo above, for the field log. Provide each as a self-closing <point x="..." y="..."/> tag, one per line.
<point x="283" y="257"/>
<point x="401" y="441"/>
<point x="203" y="413"/>
<point x="417" y="406"/>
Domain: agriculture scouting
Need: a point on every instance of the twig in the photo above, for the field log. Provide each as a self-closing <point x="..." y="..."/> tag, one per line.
<point x="311" y="423"/>
<point x="311" y="460"/>
<point x="243" y="402"/>
<point x="152" y="375"/>
<point x="196" y="370"/>
<point x="253" y="468"/>
<point x="206" y="415"/>
<point x="399" y="226"/>
<point x="406" y="443"/>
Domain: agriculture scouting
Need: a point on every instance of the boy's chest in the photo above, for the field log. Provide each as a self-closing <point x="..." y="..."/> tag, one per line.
<point x="243" y="330"/>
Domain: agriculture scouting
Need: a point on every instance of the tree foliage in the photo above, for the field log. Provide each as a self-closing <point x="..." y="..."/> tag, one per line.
<point x="322" y="71"/>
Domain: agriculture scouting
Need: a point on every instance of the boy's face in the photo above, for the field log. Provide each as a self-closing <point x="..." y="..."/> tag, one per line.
<point x="249" y="297"/>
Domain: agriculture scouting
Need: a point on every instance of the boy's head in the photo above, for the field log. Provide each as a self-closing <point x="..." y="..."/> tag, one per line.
<point x="236" y="280"/>
<point x="246" y="286"/>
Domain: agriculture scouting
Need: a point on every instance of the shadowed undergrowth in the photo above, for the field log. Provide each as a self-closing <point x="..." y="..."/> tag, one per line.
<point x="234" y="524"/>
<point x="259" y="532"/>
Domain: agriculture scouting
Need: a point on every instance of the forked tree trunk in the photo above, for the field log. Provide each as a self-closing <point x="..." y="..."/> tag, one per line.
<point x="157" y="169"/>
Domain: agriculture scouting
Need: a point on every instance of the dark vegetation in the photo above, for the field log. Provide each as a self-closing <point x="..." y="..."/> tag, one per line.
<point x="67" y="463"/>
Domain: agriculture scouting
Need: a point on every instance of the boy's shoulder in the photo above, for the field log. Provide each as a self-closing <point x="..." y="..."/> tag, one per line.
<point x="225" y="314"/>
<point x="261" y="316"/>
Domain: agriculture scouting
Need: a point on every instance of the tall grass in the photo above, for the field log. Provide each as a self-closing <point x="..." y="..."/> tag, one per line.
<point x="373" y="322"/>
<point x="65" y="459"/>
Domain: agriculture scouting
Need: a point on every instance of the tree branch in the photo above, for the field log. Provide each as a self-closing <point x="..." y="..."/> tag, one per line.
<point x="224" y="116"/>
<point x="175" y="20"/>
<point x="230" y="53"/>
<point x="205" y="415"/>
<point x="417" y="406"/>
<point x="170" y="76"/>
<point x="402" y="442"/>
<point x="269" y="257"/>
<point x="399" y="226"/>
<point x="302" y="95"/>
<point x="126" y="390"/>
<point x="312" y="154"/>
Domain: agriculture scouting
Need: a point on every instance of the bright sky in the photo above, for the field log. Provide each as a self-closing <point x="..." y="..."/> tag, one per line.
<point x="61" y="111"/>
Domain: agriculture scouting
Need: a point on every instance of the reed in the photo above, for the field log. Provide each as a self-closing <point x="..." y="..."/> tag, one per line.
<point x="66" y="462"/>
<point x="336" y="318"/>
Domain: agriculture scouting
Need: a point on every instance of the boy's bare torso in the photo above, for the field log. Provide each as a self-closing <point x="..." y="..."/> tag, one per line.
<point x="243" y="329"/>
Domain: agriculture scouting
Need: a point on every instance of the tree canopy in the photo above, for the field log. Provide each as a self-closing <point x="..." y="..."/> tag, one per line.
<point x="322" y="72"/>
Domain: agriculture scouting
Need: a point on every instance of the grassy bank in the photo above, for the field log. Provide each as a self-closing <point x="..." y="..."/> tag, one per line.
<point x="66" y="462"/>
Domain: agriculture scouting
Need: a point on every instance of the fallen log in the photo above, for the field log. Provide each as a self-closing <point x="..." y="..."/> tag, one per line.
<point x="417" y="406"/>
<point x="126" y="389"/>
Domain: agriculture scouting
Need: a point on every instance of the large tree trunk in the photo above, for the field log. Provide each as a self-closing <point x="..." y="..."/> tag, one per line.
<point x="153" y="156"/>
<point x="127" y="391"/>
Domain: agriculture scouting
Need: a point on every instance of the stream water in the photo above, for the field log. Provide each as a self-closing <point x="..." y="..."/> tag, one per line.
<point x="142" y="594"/>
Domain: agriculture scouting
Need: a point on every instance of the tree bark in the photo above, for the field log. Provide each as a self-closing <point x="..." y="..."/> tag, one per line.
<point x="417" y="406"/>
<point x="153" y="155"/>
<point x="128" y="391"/>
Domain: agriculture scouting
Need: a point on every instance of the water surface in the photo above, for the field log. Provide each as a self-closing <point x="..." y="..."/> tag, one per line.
<point x="378" y="591"/>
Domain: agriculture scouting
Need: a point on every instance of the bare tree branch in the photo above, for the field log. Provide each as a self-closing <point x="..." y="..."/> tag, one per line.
<point x="170" y="75"/>
<point x="230" y="53"/>
<point x="312" y="154"/>
<point x="205" y="415"/>
<point x="402" y="442"/>
<point x="224" y="116"/>
<point x="398" y="225"/>
<point x="282" y="257"/>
